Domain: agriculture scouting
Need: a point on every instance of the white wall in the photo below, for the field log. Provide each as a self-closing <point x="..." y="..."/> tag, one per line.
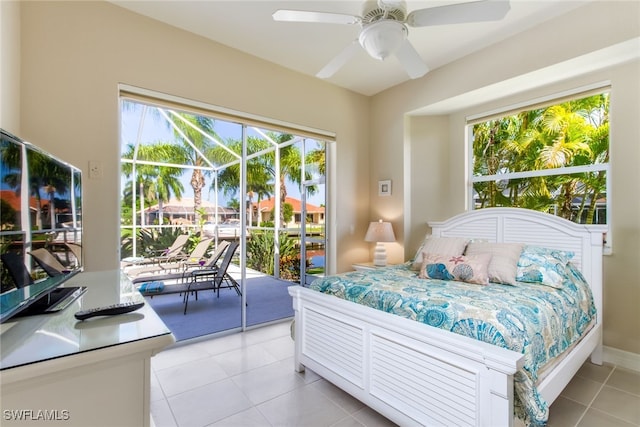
<point x="74" y="55"/>
<point x="593" y="44"/>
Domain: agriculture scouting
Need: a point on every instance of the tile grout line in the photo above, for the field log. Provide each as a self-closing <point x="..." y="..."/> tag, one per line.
<point x="595" y="396"/>
<point x="229" y="377"/>
<point x="166" y="400"/>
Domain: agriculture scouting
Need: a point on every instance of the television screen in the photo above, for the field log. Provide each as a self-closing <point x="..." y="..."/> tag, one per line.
<point x="40" y="218"/>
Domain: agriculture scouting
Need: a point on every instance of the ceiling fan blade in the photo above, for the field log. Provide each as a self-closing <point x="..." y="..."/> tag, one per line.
<point x="320" y="17"/>
<point x="411" y="60"/>
<point x="476" y="11"/>
<point x="338" y="62"/>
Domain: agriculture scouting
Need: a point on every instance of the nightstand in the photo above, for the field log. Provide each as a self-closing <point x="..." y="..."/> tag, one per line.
<point x="363" y="266"/>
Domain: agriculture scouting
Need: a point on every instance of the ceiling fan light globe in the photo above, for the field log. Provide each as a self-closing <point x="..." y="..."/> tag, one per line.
<point x="382" y="38"/>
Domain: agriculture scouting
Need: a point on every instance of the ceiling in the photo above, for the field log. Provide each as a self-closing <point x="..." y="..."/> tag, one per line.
<point x="307" y="47"/>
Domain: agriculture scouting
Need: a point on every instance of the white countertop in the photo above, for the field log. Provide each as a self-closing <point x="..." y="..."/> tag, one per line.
<point x="28" y="340"/>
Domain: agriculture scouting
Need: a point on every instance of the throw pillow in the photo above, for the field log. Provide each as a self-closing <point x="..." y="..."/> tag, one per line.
<point x="470" y="269"/>
<point x="543" y="265"/>
<point x="504" y="259"/>
<point x="439" y="245"/>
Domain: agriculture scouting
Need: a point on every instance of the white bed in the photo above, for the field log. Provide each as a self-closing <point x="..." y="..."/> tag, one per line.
<point x="366" y="352"/>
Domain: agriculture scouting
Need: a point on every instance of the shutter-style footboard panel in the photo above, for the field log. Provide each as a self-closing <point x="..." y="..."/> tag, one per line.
<point x="424" y="386"/>
<point x="410" y="372"/>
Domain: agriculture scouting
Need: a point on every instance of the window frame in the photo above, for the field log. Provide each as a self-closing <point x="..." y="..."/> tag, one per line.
<point x="548" y="101"/>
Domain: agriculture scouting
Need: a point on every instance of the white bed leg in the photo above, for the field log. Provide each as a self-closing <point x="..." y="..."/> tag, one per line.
<point x="596" y="356"/>
<point x="296" y="332"/>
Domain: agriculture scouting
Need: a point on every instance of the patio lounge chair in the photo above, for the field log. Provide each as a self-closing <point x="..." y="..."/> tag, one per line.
<point x="198" y="280"/>
<point x="172" y="253"/>
<point x="213" y="279"/>
<point x="208" y="264"/>
<point x="76" y="250"/>
<point x="49" y="262"/>
<point x="193" y="259"/>
<point x="16" y="269"/>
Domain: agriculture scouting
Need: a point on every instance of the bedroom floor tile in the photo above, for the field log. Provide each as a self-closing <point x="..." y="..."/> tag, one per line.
<point x="595" y="418"/>
<point x="302" y="407"/>
<point x="207" y="404"/>
<point x="625" y="380"/>
<point x="581" y="390"/>
<point x="565" y="412"/>
<point x="339" y="397"/>
<point x="267" y="382"/>
<point x="619" y="403"/>
<point x="248" y="380"/>
<point x="595" y="373"/>
<point x="189" y="375"/>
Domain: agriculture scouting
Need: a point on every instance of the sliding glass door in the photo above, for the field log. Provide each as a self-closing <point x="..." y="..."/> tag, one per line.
<point x="186" y="172"/>
<point x="313" y="215"/>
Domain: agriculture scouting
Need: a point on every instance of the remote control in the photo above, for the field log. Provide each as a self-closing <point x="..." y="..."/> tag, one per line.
<point x="109" y="310"/>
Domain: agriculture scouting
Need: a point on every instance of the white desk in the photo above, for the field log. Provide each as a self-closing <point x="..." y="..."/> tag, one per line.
<point x="91" y="373"/>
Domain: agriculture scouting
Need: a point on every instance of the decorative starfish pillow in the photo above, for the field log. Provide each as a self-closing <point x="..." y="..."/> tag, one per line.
<point x="463" y="268"/>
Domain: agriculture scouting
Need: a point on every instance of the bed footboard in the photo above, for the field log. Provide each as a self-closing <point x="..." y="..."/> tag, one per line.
<point x="411" y="373"/>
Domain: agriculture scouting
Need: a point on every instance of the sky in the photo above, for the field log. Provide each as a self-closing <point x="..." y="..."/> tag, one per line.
<point x="154" y="128"/>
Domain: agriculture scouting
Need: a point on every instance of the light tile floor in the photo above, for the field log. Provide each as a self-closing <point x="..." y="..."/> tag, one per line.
<point x="248" y="380"/>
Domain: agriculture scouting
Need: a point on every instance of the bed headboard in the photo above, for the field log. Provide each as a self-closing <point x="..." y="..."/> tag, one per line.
<point x="517" y="225"/>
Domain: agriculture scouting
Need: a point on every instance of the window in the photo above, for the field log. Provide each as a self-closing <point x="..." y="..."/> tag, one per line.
<point x="551" y="157"/>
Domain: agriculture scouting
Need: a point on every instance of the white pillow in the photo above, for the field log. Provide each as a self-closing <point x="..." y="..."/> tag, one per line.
<point x="440" y="246"/>
<point x="504" y="259"/>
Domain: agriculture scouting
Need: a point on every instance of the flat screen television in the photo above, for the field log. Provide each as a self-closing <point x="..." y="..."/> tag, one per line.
<point x="41" y="209"/>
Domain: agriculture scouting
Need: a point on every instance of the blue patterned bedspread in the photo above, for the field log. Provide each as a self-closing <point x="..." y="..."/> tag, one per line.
<point x="536" y="320"/>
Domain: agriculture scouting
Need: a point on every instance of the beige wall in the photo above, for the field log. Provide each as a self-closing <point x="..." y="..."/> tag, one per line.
<point x="10" y="69"/>
<point x="418" y="135"/>
<point x="74" y="55"/>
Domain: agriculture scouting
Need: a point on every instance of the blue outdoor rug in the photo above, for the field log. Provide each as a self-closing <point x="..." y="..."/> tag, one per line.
<point x="267" y="300"/>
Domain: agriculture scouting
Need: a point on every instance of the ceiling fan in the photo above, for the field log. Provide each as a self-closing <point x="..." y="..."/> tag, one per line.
<point x="384" y="28"/>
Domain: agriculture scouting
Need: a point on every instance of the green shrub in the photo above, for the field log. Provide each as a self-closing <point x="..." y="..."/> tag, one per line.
<point x="261" y="253"/>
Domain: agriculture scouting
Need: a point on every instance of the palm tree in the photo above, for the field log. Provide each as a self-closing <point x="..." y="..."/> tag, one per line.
<point x="290" y="169"/>
<point x="197" y="134"/>
<point x="11" y="158"/>
<point x="156" y="182"/>
<point x="261" y="173"/>
<point x="317" y="157"/>
<point x="566" y="129"/>
<point x="50" y="176"/>
<point x="595" y="111"/>
<point x="569" y="134"/>
<point x="258" y="169"/>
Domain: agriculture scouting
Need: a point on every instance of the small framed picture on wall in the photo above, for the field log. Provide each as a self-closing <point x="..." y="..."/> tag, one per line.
<point x="384" y="188"/>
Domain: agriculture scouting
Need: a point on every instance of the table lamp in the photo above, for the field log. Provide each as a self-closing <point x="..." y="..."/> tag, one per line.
<point x="380" y="232"/>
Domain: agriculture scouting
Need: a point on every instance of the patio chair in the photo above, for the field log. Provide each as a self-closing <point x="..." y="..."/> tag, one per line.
<point x="76" y="250"/>
<point x="48" y="261"/>
<point x="14" y="264"/>
<point x="213" y="279"/>
<point x="209" y="263"/>
<point x="178" y="263"/>
<point x="172" y="253"/>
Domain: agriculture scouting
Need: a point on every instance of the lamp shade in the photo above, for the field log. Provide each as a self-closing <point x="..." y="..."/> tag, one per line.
<point x="380" y="231"/>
